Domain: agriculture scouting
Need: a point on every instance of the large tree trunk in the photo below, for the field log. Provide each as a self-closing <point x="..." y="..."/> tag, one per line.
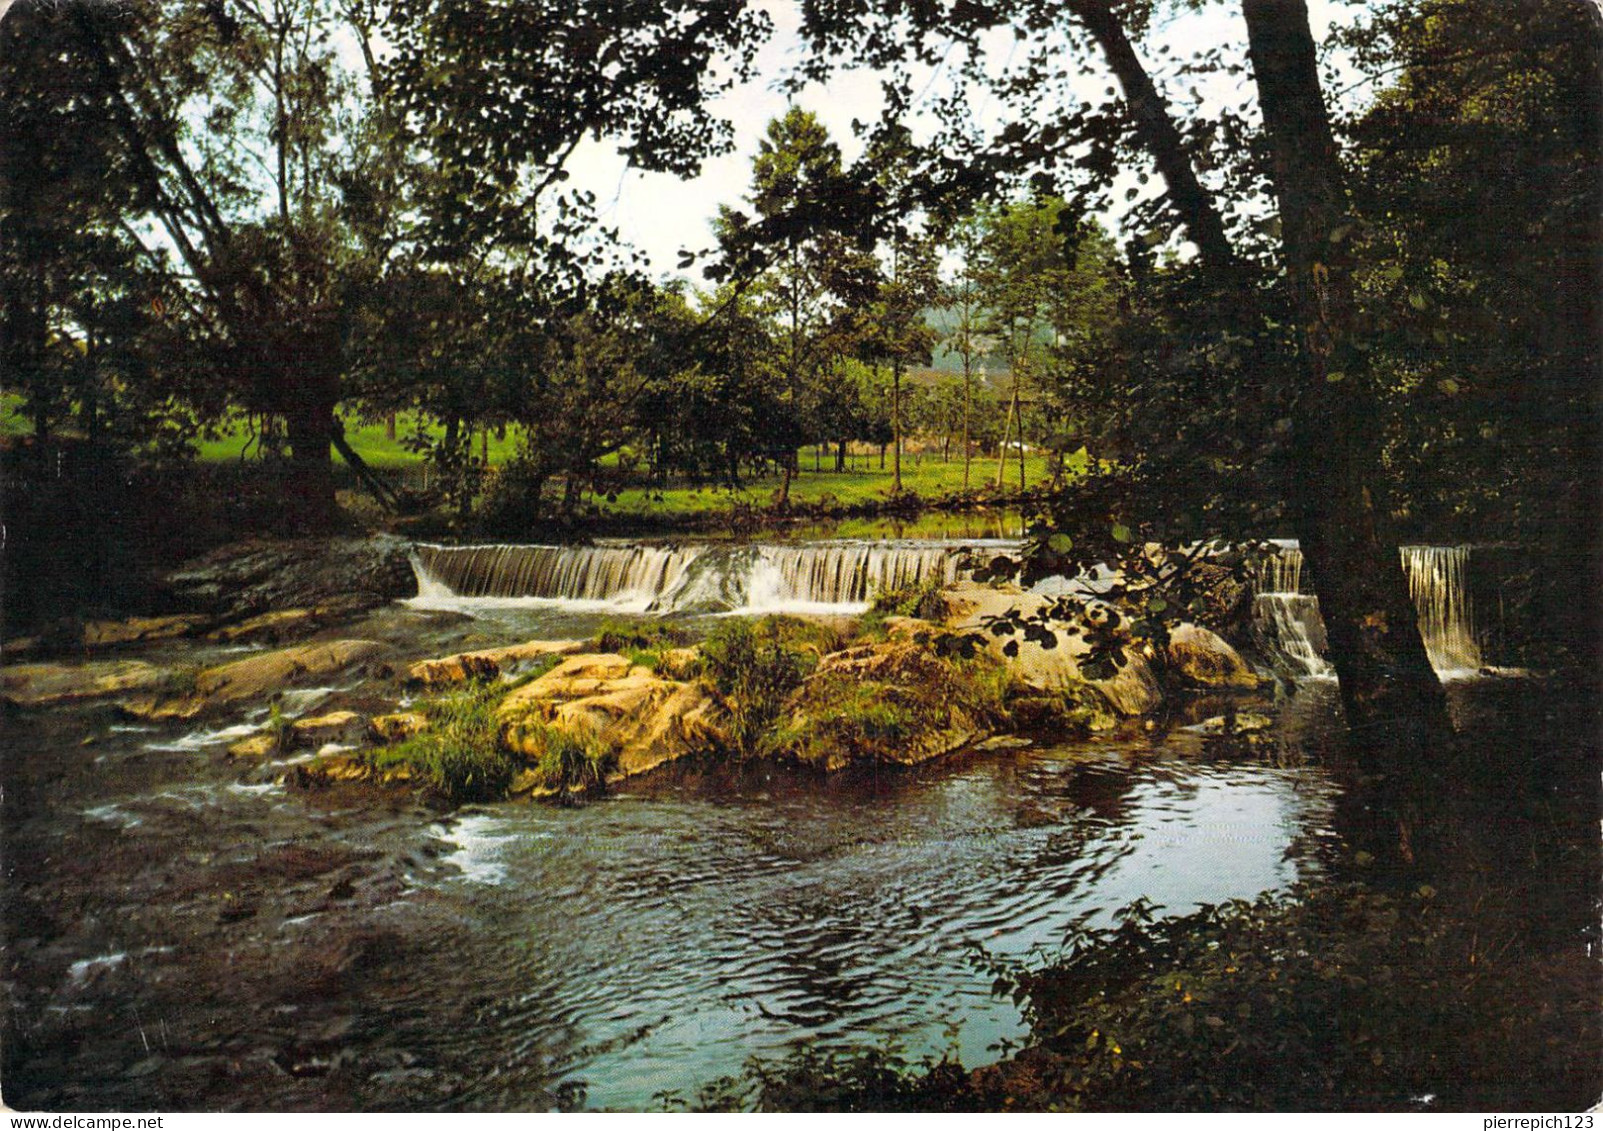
<point x="1156" y="129"/>
<point x="308" y="414"/>
<point x="1393" y="699"/>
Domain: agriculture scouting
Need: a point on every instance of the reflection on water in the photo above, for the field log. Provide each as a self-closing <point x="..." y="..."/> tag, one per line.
<point x="335" y="950"/>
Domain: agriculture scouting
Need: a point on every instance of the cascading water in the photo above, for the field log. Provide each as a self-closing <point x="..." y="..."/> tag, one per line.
<point x="1438" y="581"/>
<point x="1286" y="624"/>
<point x="623" y="576"/>
<point x="1288" y="628"/>
<point x="817" y="576"/>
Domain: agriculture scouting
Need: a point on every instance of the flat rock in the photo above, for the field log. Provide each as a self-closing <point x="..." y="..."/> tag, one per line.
<point x="42" y="685"/>
<point x="258" y="575"/>
<point x="1132" y="690"/>
<point x="135" y="630"/>
<point x="397" y="727"/>
<point x="274" y="626"/>
<point x="643" y="718"/>
<point x="256" y="746"/>
<point x="486" y="663"/>
<point x="257" y="676"/>
<point x="336" y="726"/>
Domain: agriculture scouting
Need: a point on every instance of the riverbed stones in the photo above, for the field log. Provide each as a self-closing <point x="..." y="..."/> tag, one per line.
<point x="487" y="663"/>
<point x="258" y="575"/>
<point x="604" y="701"/>
<point x="1205" y="659"/>
<point x="257" y="677"/>
<point x="141" y="630"/>
<point x="1133" y="690"/>
<point x="45" y="684"/>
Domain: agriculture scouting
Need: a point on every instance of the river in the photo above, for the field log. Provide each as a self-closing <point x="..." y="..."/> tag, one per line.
<point x="184" y="932"/>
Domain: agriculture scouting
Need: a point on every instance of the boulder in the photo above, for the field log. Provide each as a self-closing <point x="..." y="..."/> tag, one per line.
<point x="486" y="663"/>
<point x="1205" y="659"/>
<point x="643" y="718"/>
<point x="256" y="677"/>
<point x="42" y="685"/>
<point x="390" y="729"/>
<point x="1132" y="690"/>
<point x="244" y="579"/>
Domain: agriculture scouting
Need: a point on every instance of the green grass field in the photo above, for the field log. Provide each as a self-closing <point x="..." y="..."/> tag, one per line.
<point x="865" y="482"/>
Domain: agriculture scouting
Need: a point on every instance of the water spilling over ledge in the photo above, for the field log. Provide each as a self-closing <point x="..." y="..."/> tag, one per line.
<point x="843" y="576"/>
<point x="1288" y="629"/>
<point x="835" y="576"/>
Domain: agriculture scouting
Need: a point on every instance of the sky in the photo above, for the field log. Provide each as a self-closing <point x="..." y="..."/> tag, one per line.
<point x="660" y="214"/>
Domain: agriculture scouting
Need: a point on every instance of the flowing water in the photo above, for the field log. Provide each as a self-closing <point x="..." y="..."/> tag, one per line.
<point x="183" y="932"/>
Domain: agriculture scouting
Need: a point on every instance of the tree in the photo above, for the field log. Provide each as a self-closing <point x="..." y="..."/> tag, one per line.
<point x="1377" y="651"/>
<point x="1341" y="516"/>
<point x="806" y="242"/>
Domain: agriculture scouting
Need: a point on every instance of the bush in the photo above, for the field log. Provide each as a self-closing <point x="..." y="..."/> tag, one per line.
<point x="911" y="697"/>
<point x="567" y="764"/>
<point x="753" y="666"/>
<point x="640" y="636"/>
<point x="920" y="599"/>
<point x="459" y="756"/>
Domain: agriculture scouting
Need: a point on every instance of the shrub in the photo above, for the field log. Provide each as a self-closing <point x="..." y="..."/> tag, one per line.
<point x="566" y="763"/>
<point x="753" y="666"/>
<point x="640" y="636"/>
<point x="459" y="756"/>
<point x="910" y="696"/>
<point x="919" y="599"/>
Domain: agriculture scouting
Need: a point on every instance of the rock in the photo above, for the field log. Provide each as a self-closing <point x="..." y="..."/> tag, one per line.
<point x="273" y="626"/>
<point x="398" y="727"/>
<point x="42" y="685"/>
<point x="486" y="663"/>
<point x="1244" y="722"/>
<point x="1205" y="659"/>
<point x="256" y="677"/>
<point x="256" y="746"/>
<point x="643" y="718"/>
<point x="134" y="630"/>
<point x="344" y="727"/>
<point x="893" y="702"/>
<point x="1132" y="690"/>
<point x="255" y="576"/>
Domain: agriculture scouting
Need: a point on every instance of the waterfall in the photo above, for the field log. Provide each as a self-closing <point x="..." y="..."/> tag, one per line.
<point x="831" y="577"/>
<point x="1438" y="581"/>
<point x="1285" y="621"/>
<point x="621" y="576"/>
<point x="1288" y="628"/>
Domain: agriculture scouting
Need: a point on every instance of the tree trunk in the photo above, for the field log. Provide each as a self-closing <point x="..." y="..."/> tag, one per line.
<point x="896" y="426"/>
<point x="309" y="427"/>
<point x="840" y="455"/>
<point x="1157" y="131"/>
<point x="1007" y="430"/>
<point x="1393" y="698"/>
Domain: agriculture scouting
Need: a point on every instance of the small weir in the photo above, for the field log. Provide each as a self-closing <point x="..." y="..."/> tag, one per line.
<point x="838" y="576"/>
<point x="1288" y="629"/>
<point x="843" y="576"/>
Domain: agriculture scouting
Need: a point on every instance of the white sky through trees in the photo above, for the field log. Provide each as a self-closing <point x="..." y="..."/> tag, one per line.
<point x="659" y="214"/>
